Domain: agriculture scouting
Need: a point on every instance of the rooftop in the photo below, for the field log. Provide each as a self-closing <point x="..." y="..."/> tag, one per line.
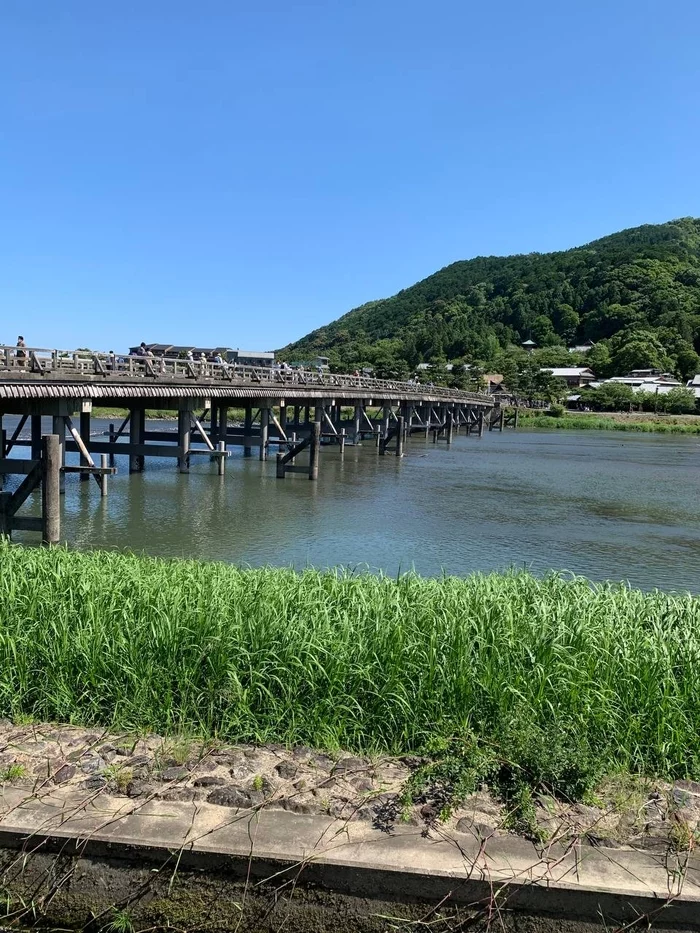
<point x="564" y="371"/>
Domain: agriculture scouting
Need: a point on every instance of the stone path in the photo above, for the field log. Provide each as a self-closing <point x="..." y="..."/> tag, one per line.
<point x="33" y="758"/>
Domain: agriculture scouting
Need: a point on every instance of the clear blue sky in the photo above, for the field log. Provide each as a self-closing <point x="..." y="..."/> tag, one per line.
<point x="240" y="173"/>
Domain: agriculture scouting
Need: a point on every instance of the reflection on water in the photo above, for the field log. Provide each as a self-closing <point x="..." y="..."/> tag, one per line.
<point x="607" y="506"/>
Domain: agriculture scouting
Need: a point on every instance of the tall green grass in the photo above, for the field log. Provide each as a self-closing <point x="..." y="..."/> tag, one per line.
<point x="588" y="423"/>
<point x="363" y="662"/>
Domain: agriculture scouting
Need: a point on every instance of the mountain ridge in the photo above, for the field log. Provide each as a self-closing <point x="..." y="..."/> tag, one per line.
<point x="637" y="286"/>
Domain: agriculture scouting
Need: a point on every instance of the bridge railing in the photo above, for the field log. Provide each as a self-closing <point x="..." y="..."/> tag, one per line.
<point x="38" y="361"/>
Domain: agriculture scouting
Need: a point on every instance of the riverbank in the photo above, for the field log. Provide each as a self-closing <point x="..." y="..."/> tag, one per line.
<point x="647" y="422"/>
<point x="508" y="679"/>
<point x="152" y="414"/>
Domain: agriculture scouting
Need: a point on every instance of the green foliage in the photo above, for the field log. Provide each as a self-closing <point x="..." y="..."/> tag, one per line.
<point x="636" y="293"/>
<point x="12" y="772"/>
<point x="539" y="672"/>
<point x="519" y="759"/>
<point x="612" y="396"/>
<point x="120" y="922"/>
<point x="680" y="401"/>
<point x="576" y="421"/>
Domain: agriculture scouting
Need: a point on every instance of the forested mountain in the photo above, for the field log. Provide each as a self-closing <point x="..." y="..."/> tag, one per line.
<point x="636" y="294"/>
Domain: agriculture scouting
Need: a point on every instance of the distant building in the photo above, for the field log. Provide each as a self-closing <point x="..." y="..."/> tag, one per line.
<point x="494" y="383"/>
<point x="572" y="375"/>
<point x="528" y="345"/>
<point x="228" y="354"/>
<point x="253" y="357"/>
<point x="694" y="383"/>
<point x="645" y="378"/>
<point x="582" y="347"/>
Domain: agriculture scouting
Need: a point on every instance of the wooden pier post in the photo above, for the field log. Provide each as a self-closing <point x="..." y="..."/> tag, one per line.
<point x="341" y="441"/>
<point x="265" y="430"/>
<point x="399" y="436"/>
<point x="137" y="420"/>
<point x="221" y="464"/>
<point x="112" y="440"/>
<point x="280" y="465"/>
<point x="386" y="417"/>
<point x="314" y="449"/>
<point x="449" y="427"/>
<point x="50" y="489"/>
<point x="59" y="429"/>
<point x="247" y="428"/>
<point x="223" y="425"/>
<point x="357" y="421"/>
<point x="481" y="422"/>
<point x="184" y="432"/>
<point x="36" y="436"/>
<point x="104" y="479"/>
<point x="85" y="438"/>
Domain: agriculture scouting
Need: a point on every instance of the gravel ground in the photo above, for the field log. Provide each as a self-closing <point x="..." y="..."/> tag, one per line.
<point x="627" y="811"/>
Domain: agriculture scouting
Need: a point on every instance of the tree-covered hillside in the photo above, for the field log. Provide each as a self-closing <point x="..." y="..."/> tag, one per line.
<point x="636" y="294"/>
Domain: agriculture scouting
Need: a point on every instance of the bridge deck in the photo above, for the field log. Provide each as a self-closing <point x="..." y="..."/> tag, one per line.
<point x="54" y="374"/>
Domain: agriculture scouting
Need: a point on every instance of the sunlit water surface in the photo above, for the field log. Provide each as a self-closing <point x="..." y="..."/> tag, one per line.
<point x="604" y="504"/>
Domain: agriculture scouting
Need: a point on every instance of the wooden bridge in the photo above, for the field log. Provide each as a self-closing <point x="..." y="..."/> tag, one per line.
<point x="279" y="409"/>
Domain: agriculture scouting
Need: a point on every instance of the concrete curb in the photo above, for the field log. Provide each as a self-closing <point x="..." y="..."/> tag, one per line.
<point x="275" y="848"/>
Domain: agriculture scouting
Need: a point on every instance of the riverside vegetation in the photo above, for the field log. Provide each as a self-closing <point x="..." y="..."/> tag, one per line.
<point x="559" y="418"/>
<point x="506" y="678"/>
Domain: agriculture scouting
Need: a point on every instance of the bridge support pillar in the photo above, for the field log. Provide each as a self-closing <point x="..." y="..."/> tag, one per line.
<point x="137" y="430"/>
<point x="264" y="431"/>
<point x="399" y="436"/>
<point x="449" y="423"/>
<point x="410" y="410"/>
<point x="184" y="434"/>
<point x="50" y="490"/>
<point x="247" y="428"/>
<point x="59" y="429"/>
<point x="223" y="425"/>
<point x="36" y="436"/>
<point x="315" y="447"/>
<point x="357" y="421"/>
<point x="386" y="417"/>
<point x="85" y="438"/>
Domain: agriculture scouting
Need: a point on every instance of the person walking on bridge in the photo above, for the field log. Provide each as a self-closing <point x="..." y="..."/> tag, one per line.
<point x="21" y="353"/>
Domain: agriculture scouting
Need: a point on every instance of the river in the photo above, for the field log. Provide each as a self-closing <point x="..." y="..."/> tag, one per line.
<point x="606" y="505"/>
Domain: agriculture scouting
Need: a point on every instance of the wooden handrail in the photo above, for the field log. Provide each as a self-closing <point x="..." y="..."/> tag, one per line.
<point x="86" y="363"/>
